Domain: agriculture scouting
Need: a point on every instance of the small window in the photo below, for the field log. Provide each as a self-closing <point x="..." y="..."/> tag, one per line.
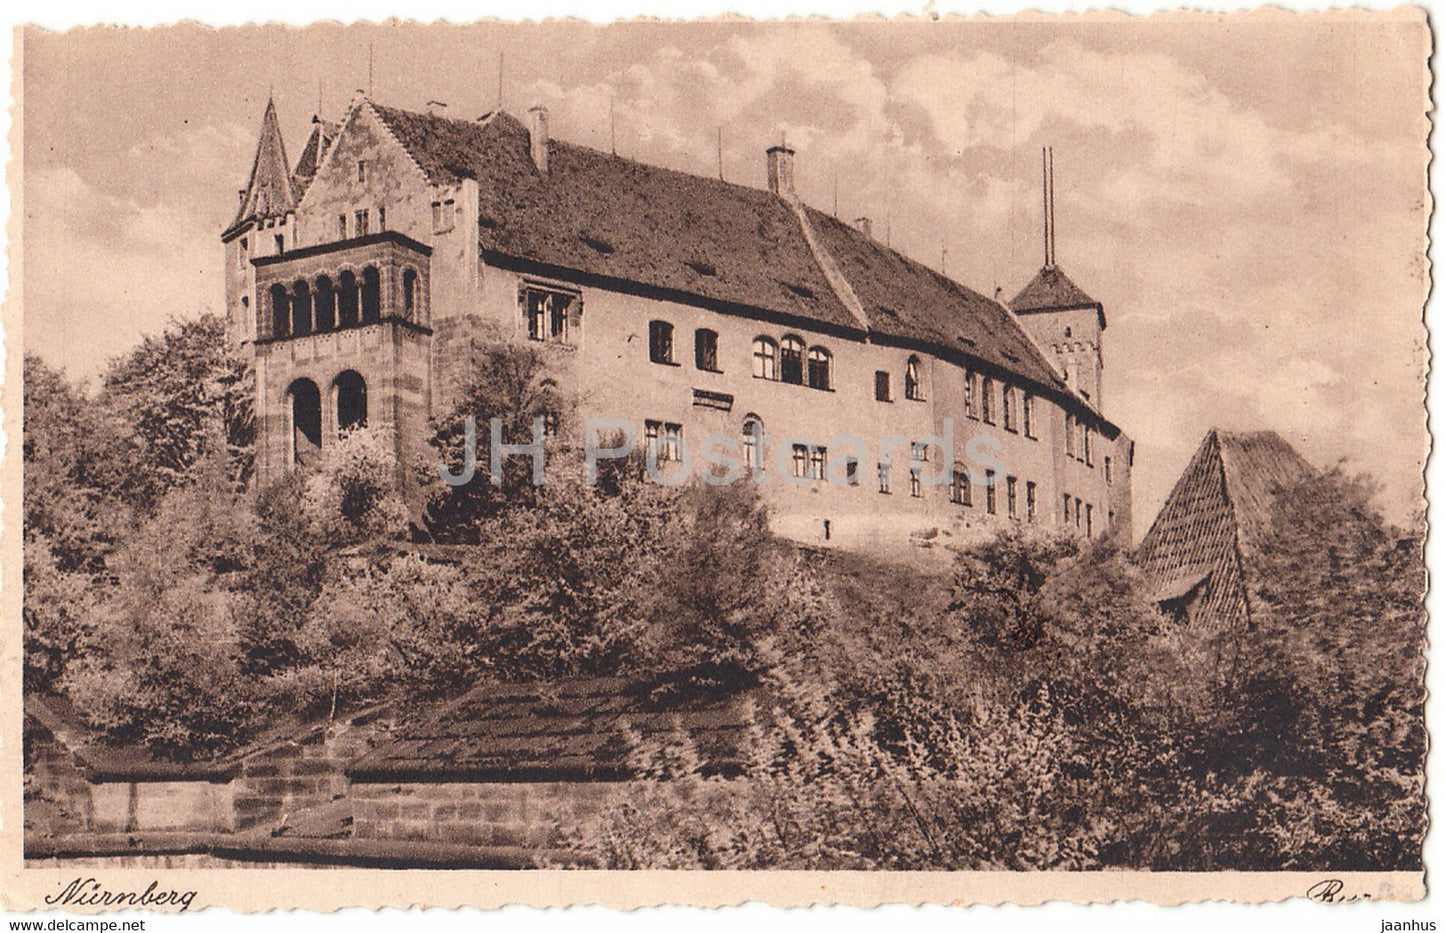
<point x="1012" y="491"/>
<point x="987" y="401"/>
<point x="380" y="217"/>
<point x="361" y="170"/>
<point x="1010" y="417"/>
<point x="752" y="442"/>
<point x="341" y="226"/>
<point x="280" y="243"/>
<point x="1109" y="470"/>
<point x="912" y="381"/>
<point x="1089" y="520"/>
<point x="765" y="359"/>
<point x="1028" y="412"/>
<point x="990" y="491"/>
<point x="961" y="491"/>
<point x="970" y="394"/>
<point x="850" y="471"/>
<point x="818" y="463"/>
<point x="441" y="216"/>
<point x="1068" y="500"/>
<point x="241" y="256"/>
<point x="791" y="360"/>
<point x="885" y="484"/>
<point x="1031" y="501"/>
<point x="1068" y="332"/>
<point x="820" y="368"/>
<point x="548" y="313"/>
<point x="705" y="350"/>
<point x="800" y="461"/>
<point x="1069" y="435"/>
<point x="664" y="441"/>
<point x="883" y="386"/>
<point x="659" y="342"/>
<point x="915" y="483"/>
<point x="363" y="222"/>
<point x="1088" y="445"/>
<point x="408" y="290"/>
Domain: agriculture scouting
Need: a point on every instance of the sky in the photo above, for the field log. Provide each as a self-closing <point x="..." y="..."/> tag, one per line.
<point x="1246" y="196"/>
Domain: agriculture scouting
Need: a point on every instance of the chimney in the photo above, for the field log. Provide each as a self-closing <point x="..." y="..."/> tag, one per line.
<point x="539" y="136"/>
<point x="866" y="226"/>
<point x="780" y="171"/>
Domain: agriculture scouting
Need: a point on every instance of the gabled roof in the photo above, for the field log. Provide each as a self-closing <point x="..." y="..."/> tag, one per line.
<point x="1051" y="290"/>
<point x="568" y="730"/>
<point x="271" y="191"/>
<point x="1219" y="508"/>
<point x="623" y="221"/>
<point x="323" y="134"/>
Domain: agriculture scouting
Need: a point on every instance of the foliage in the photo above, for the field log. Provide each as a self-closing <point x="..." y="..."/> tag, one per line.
<point x="354" y="494"/>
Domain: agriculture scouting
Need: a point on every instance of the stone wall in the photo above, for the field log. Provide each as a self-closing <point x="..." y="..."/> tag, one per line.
<point x="529" y="814"/>
<point x="299" y="775"/>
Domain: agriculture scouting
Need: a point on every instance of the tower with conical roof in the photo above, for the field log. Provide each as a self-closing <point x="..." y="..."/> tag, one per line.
<point x="263" y="225"/>
<point x="1060" y="316"/>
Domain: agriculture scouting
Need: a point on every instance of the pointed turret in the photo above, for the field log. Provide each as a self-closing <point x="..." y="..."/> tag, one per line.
<point x="271" y="192"/>
<point x="323" y="134"/>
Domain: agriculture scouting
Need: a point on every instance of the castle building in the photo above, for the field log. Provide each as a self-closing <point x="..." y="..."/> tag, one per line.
<point x="361" y="278"/>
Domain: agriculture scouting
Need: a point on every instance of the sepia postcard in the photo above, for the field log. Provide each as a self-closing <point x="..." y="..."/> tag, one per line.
<point x="958" y="460"/>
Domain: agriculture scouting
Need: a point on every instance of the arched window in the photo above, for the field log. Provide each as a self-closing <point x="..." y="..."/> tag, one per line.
<point x="912" y="380"/>
<point x="790" y="360"/>
<point x="765" y="358"/>
<point x="408" y="292"/>
<point x="301" y="309"/>
<point x="370" y="295"/>
<point x="305" y="420"/>
<point x="324" y="305"/>
<point x="752" y="443"/>
<point x="280" y="311"/>
<point x="820" y="368"/>
<point x="659" y="342"/>
<point x="350" y="400"/>
<point x="346" y="315"/>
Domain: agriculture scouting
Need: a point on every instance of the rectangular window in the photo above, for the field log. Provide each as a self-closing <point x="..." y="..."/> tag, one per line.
<point x="1013" y="496"/>
<point x="1069" y="435"/>
<point x="280" y="243"/>
<point x="915" y="483"/>
<point x="1010" y="418"/>
<point x="961" y="492"/>
<point x="363" y="222"/>
<point x="882" y="386"/>
<point x="1067" y="500"/>
<point x="970" y="394"/>
<point x="381" y="217"/>
<point x="818" y="463"/>
<point x="361" y="170"/>
<point x="548" y="312"/>
<point x="341" y="226"/>
<point x="885" y="484"/>
<point x="1089" y="520"/>
<point x="990" y="491"/>
<point x="1031" y="501"/>
<point x="987" y="400"/>
<point x="850" y="471"/>
<point x="664" y="441"/>
<point x="800" y="461"/>
<point x="659" y="342"/>
<point x="441" y="216"/>
<point x="242" y="254"/>
<point x="1089" y="446"/>
<point x="1029" y="417"/>
<point x="1109" y="470"/>
<point x="705" y="350"/>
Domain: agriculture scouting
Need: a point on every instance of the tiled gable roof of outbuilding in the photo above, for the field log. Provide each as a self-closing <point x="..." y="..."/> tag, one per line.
<point x="623" y="221"/>
<point x="1220" y="505"/>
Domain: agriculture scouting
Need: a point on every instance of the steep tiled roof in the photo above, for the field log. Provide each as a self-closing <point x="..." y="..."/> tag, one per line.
<point x="323" y="133"/>
<point x="1051" y="290"/>
<point x="611" y="217"/>
<point x="271" y="191"/>
<point x="1217" y="509"/>
<point x="569" y="730"/>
